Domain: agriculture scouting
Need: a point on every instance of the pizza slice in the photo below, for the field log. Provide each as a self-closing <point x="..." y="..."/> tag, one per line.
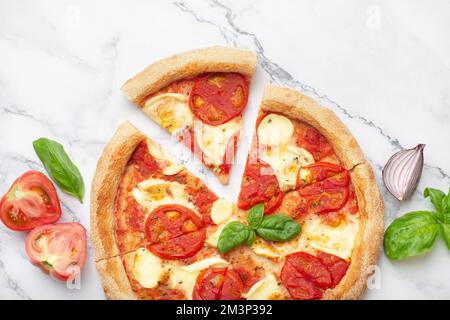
<point x="154" y="225"/>
<point x="198" y="97"/>
<point x="304" y="163"/>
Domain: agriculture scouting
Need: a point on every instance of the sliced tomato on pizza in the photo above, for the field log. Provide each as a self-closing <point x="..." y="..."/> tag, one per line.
<point x="198" y="97"/>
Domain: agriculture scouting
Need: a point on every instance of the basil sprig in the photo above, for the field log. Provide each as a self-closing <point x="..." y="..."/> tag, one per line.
<point x="59" y="166"/>
<point x="416" y="232"/>
<point x="273" y="228"/>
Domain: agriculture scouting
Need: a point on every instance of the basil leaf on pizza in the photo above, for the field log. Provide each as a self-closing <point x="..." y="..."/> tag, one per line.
<point x="255" y="216"/>
<point x="410" y="235"/>
<point x="234" y="234"/>
<point x="273" y="228"/>
<point x="278" y="228"/>
<point x="59" y="166"/>
<point x="251" y="237"/>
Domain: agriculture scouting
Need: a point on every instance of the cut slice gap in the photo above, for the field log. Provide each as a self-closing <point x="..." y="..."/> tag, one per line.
<point x="198" y="96"/>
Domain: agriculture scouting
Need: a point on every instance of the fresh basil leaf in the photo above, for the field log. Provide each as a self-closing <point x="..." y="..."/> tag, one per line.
<point x="278" y="227"/>
<point x="410" y="235"/>
<point x="446" y="202"/>
<point x="59" y="166"/>
<point x="234" y="234"/>
<point x="251" y="237"/>
<point x="445" y="230"/>
<point x="255" y="216"/>
<point x="436" y="197"/>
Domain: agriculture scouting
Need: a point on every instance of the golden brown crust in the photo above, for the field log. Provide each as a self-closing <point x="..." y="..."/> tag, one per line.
<point x="298" y="106"/>
<point x="114" y="279"/>
<point x="187" y="65"/>
<point x="368" y="243"/>
<point x="369" y="240"/>
<point x="110" y="168"/>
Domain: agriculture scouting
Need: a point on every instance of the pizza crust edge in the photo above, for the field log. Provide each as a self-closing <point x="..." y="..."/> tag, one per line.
<point x="365" y="255"/>
<point x="107" y="177"/>
<point x="115" y="282"/>
<point x="187" y="65"/>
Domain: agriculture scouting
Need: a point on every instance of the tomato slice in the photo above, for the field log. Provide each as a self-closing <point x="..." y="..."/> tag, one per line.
<point x="306" y="277"/>
<point x="59" y="249"/>
<point x="327" y="195"/>
<point x="310" y="139"/>
<point x="31" y="201"/>
<point x="260" y="184"/>
<point x="337" y="266"/>
<point x="218" y="97"/>
<point x="218" y="284"/>
<point x="174" y="232"/>
<point x="317" y="172"/>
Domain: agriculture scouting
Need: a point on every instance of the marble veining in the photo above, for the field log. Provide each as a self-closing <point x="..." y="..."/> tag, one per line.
<point x="63" y="64"/>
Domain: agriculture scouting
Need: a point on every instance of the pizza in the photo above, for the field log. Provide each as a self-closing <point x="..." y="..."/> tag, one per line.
<point x="198" y="97"/>
<point x="155" y="227"/>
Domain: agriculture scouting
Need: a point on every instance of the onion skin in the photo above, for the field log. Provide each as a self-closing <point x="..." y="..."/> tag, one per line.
<point x="402" y="172"/>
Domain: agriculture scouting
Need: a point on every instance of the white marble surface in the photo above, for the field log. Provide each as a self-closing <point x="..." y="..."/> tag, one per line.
<point x="382" y="66"/>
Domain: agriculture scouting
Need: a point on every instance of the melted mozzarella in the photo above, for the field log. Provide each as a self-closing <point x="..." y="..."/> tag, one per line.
<point x="152" y="193"/>
<point x="184" y="277"/>
<point x="221" y="210"/>
<point x="170" y="165"/>
<point x="338" y="241"/>
<point x="205" y="263"/>
<point x="286" y="161"/>
<point x="274" y="250"/>
<point x="214" y="232"/>
<point x="147" y="268"/>
<point x="275" y="129"/>
<point x="213" y="140"/>
<point x="265" y="289"/>
<point x="171" y="111"/>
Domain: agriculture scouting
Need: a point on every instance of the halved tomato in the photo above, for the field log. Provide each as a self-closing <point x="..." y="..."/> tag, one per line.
<point x="260" y="184"/>
<point x="218" y="284"/>
<point x="218" y="97"/>
<point x="174" y="232"/>
<point x="59" y="249"/>
<point x="31" y="201"/>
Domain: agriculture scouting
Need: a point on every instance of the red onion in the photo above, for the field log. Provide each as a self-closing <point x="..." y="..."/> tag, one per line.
<point x="402" y="172"/>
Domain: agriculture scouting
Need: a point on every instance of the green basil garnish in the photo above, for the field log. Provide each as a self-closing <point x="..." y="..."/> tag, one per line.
<point x="255" y="216"/>
<point x="445" y="230"/>
<point x="273" y="228"/>
<point x="278" y="228"/>
<point x="59" y="166"/>
<point x="234" y="234"/>
<point x="416" y="232"/>
<point x="251" y="237"/>
<point x="410" y="235"/>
